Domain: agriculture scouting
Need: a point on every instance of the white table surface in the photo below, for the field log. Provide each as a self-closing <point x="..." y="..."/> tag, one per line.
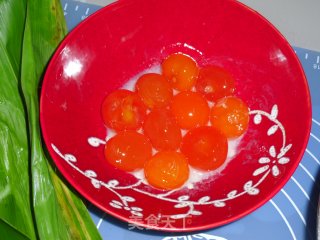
<point x="297" y="20"/>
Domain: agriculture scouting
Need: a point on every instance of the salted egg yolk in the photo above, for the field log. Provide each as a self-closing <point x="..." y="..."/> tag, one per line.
<point x="181" y="71"/>
<point x="206" y="148"/>
<point x="190" y="109"/>
<point x="231" y="116"/>
<point x="123" y="110"/>
<point x="167" y="170"/>
<point x="128" y="150"/>
<point x="215" y="82"/>
<point x="162" y="129"/>
<point x="154" y="90"/>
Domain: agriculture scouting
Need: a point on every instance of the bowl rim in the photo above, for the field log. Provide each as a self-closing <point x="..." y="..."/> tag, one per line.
<point x="209" y="225"/>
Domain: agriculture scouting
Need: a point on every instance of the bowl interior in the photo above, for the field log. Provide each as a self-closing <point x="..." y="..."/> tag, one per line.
<point x="129" y="37"/>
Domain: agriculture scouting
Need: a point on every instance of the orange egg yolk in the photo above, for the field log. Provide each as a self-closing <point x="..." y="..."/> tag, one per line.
<point x="190" y="109"/>
<point x="161" y="150"/>
<point x="154" y="90"/>
<point x="123" y="110"/>
<point x="181" y="71"/>
<point x="167" y="170"/>
<point x="162" y="130"/>
<point x="205" y="148"/>
<point x="215" y="82"/>
<point x="231" y="116"/>
<point x="128" y="150"/>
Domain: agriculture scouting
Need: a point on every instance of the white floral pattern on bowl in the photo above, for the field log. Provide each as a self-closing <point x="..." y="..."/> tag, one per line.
<point x="269" y="165"/>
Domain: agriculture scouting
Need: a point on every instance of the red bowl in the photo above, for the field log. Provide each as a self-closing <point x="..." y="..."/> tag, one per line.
<point x="128" y="37"/>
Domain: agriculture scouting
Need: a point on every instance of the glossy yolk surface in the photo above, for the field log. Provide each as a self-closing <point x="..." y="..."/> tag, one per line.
<point x="128" y="150"/>
<point x="162" y="130"/>
<point x="215" y="82"/>
<point x="167" y="170"/>
<point x="231" y="116"/>
<point x="154" y="90"/>
<point x="181" y="71"/>
<point x="190" y="109"/>
<point x="205" y="148"/>
<point x="123" y="110"/>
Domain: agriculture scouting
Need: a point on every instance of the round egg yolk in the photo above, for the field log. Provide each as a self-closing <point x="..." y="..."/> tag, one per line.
<point x="167" y="170"/>
<point x="162" y="129"/>
<point x="215" y="82"/>
<point x="205" y="148"/>
<point x="123" y="110"/>
<point x="128" y="150"/>
<point x="181" y="71"/>
<point x="231" y="116"/>
<point x="154" y="90"/>
<point x="190" y="109"/>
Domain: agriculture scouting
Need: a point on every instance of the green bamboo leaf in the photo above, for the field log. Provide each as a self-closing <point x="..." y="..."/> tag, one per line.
<point x="15" y="208"/>
<point x="59" y="213"/>
<point x="12" y="20"/>
<point x="9" y="232"/>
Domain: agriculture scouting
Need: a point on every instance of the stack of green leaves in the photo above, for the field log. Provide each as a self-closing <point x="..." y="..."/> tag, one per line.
<point x="34" y="201"/>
